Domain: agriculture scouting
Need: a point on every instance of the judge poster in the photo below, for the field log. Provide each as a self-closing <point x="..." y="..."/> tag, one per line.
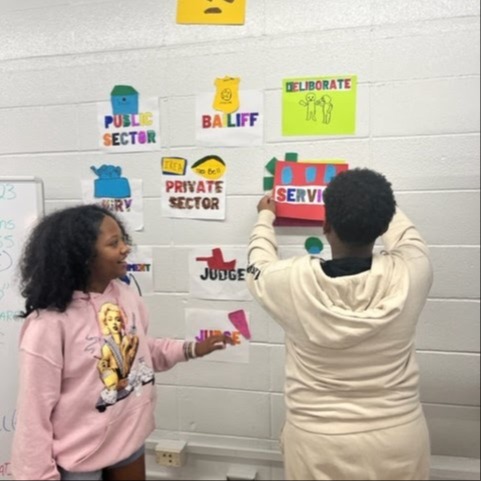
<point x="204" y="323"/>
<point x="219" y="273"/>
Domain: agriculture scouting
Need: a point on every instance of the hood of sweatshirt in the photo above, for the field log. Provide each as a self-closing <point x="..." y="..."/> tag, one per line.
<point x="341" y="312"/>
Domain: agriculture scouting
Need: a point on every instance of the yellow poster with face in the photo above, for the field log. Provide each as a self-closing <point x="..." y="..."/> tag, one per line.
<point x="214" y="12"/>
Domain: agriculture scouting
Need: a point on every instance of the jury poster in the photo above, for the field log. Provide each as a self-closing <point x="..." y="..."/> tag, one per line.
<point x="219" y="273"/>
<point x="116" y="193"/>
<point x="319" y="106"/>
<point x="194" y="190"/>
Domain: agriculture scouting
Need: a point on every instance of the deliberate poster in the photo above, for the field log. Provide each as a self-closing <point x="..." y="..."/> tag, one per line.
<point x="129" y="122"/>
<point x="319" y="106"/>
<point x="219" y="273"/>
<point x="204" y="323"/>
<point x="211" y="12"/>
<point x="117" y="194"/>
<point x="194" y="189"/>
<point x="229" y="117"/>
<point x="299" y="188"/>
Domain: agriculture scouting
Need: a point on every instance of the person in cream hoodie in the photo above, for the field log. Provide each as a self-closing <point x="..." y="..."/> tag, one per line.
<point x="353" y="408"/>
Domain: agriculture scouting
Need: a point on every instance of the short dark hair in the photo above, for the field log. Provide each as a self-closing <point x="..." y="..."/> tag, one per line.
<point x="360" y="205"/>
<point x="57" y="256"/>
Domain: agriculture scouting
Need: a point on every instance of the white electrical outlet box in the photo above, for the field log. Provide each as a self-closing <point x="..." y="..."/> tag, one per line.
<point x="170" y="453"/>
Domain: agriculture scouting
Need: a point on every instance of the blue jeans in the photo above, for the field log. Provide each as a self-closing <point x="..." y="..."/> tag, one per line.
<point x="97" y="475"/>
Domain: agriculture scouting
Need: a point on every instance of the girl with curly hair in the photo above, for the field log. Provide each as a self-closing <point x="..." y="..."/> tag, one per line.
<point x="84" y="350"/>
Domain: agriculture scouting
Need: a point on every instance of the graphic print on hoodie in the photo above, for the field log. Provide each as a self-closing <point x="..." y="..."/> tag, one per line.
<point x="119" y="372"/>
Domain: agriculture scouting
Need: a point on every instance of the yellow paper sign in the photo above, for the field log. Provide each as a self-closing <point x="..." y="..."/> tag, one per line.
<point x="227" y="95"/>
<point x="174" y="165"/>
<point x="214" y="12"/>
<point x="210" y="167"/>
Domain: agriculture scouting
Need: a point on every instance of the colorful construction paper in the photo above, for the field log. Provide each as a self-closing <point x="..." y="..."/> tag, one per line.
<point x="319" y="106"/>
<point x="201" y="324"/>
<point x="299" y="188"/>
<point x="196" y="191"/>
<point x="213" y="12"/>
<point x="117" y="194"/>
<point x="229" y="117"/>
<point x="129" y="122"/>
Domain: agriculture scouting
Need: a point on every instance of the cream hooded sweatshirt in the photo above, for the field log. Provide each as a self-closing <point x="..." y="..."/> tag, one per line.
<point x="350" y="355"/>
<point x="86" y="401"/>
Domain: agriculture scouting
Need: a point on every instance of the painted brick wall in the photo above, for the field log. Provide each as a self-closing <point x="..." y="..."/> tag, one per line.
<point x="418" y="122"/>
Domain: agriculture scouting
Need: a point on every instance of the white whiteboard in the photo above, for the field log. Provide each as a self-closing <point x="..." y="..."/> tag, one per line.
<point x="21" y="205"/>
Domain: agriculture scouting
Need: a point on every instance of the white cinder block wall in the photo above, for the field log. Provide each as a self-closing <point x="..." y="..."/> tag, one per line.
<point x="418" y="122"/>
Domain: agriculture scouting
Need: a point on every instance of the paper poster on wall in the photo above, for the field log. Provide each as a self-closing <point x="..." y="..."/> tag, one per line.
<point x="299" y="188"/>
<point x="117" y="194"/>
<point x="213" y="12"/>
<point x="194" y="190"/>
<point x="319" y="106"/>
<point x="129" y="122"/>
<point x="204" y="323"/>
<point x="140" y="270"/>
<point x="219" y="273"/>
<point x="229" y="116"/>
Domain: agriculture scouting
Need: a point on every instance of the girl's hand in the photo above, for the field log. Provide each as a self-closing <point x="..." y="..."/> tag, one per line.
<point x="212" y="344"/>
<point x="267" y="203"/>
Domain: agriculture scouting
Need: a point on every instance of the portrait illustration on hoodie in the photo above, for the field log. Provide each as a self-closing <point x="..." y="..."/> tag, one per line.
<point x="117" y="357"/>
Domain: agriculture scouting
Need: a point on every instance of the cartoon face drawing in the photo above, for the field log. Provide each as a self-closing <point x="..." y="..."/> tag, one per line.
<point x="227" y="95"/>
<point x="216" y="10"/>
<point x="219" y="12"/>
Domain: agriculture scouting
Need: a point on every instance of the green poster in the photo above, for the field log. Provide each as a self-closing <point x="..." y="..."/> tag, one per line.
<point x="319" y="106"/>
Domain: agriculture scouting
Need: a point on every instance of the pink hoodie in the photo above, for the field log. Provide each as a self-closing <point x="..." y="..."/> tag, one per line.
<point x="87" y="390"/>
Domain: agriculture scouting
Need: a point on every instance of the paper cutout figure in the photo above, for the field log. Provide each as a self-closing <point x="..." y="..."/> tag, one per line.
<point x="217" y="262"/>
<point x="210" y="167"/>
<point x="199" y="194"/>
<point x="110" y="184"/>
<point x="174" y="166"/>
<point x="271" y="168"/>
<point x="227" y="96"/>
<point x="314" y="245"/>
<point x="239" y="321"/>
<point x="214" y="12"/>
<point x="299" y="188"/>
<point x="125" y="100"/>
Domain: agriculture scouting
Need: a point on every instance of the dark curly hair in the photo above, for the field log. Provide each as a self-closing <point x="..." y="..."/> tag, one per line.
<point x="57" y="257"/>
<point x="360" y="205"/>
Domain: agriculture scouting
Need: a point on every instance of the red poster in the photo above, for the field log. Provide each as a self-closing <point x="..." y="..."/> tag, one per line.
<point x="299" y="188"/>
